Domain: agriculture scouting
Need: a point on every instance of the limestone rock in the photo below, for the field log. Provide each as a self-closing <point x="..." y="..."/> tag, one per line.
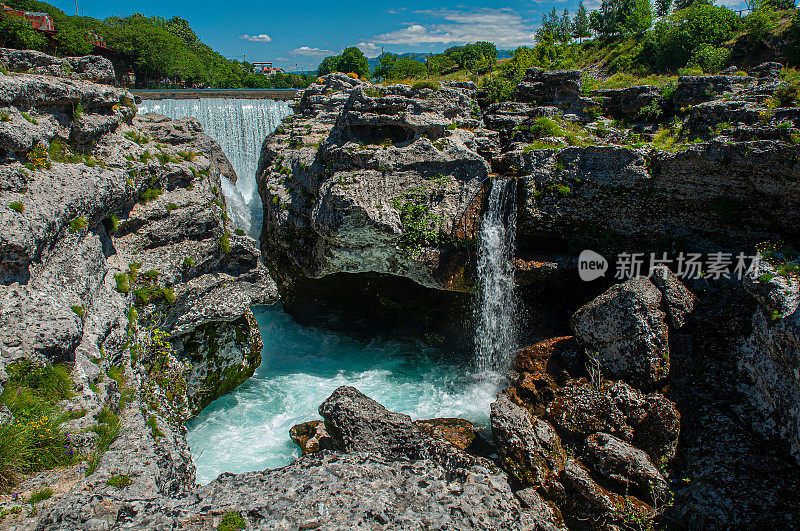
<point x="770" y="357"/>
<point x="625" y="464"/>
<point x="460" y="433"/>
<point x="692" y="90"/>
<point x="643" y="102"/>
<point x="588" y="501"/>
<point x="359" y="424"/>
<point x="529" y="447"/>
<point x="360" y="156"/>
<point x="89" y="67"/>
<point x="650" y="422"/>
<point x="311" y="437"/>
<point x="624" y="329"/>
<point x="676" y="299"/>
<point x="546" y="514"/>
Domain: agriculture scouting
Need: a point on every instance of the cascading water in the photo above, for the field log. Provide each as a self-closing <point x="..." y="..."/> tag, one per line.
<point x="240" y="126"/>
<point x="496" y="308"/>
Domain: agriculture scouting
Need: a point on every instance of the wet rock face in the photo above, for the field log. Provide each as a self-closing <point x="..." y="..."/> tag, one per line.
<point x="624" y="330"/>
<point x="625" y="464"/>
<point x="592" y="447"/>
<point x="312" y="437"/>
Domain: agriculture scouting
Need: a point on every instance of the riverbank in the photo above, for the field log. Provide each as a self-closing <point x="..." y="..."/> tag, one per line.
<point x="246" y="94"/>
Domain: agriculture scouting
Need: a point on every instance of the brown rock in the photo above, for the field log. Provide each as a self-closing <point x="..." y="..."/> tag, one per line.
<point x="311" y="437"/>
<point x="458" y="432"/>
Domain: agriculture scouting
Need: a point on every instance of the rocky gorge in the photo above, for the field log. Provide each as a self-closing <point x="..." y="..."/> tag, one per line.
<point x="656" y="401"/>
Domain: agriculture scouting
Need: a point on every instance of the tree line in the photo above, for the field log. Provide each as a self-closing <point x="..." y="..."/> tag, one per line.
<point x="161" y="51"/>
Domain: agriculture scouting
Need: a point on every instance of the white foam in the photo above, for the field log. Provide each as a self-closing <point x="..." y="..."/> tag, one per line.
<point x="248" y="429"/>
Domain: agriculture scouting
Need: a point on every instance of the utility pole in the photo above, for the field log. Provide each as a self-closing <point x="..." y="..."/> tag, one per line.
<point x="76" y="8"/>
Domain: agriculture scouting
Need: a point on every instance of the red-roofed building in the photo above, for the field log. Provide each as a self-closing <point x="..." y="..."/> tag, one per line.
<point x="39" y="21"/>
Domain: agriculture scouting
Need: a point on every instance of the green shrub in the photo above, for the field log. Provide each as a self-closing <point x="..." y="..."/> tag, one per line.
<point x="77" y="111"/>
<point x="239" y="232"/>
<point x="123" y="283"/>
<point x="672" y="41"/>
<point x="29" y="118"/>
<point x="107" y="428"/>
<point x="168" y="294"/>
<point x="419" y="85"/>
<point x="135" y="136"/>
<point x="187" y="155"/>
<point x="710" y="59"/>
<point x="119" y="481"/>
<point x="17" y="207"/>
<point x="232" y="521"/>
<point x="4" y="117"/>
<point x="34" y="440"/>
<point x="545" y="127"/>
<point x="225" y="243"/>
<point x="41" y="495"/>
<point x="78" y="224"/>
<point x="79" y="310"/>
<point x="111" y="224"/>
<point x="188" y="262"/>
<point x="171" y="207"/>
<point x="759" y="25"/>
<point x="152" y="422"/>
<point x="151" y="194"/>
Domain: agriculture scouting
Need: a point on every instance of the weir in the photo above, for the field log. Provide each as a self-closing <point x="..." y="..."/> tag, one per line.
<point x="240" y="127"/>
<point x="496" y="307"/>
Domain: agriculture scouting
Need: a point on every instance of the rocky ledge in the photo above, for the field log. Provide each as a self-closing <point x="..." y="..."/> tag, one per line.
<point x="119" y="263"/>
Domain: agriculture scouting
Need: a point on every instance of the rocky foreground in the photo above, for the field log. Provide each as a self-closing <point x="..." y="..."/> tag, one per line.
<point x="649" y="403"/>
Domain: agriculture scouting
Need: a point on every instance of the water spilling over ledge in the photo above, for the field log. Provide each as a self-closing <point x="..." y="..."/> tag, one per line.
<point x="496" y="309"/>
<point x="240" y="127"/>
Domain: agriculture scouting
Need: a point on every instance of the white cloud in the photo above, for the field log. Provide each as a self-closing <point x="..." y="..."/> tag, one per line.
<point x="369" y="49"/>
<point x="505" y="27"/>
<point x="256" y="38"/>
<point x="313" y="52"/>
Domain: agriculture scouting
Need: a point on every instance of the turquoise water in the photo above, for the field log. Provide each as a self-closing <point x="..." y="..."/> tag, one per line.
<point x="248" y="429"/>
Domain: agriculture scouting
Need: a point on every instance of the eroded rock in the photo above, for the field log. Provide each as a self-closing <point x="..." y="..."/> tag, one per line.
<point x="624" y="330"/>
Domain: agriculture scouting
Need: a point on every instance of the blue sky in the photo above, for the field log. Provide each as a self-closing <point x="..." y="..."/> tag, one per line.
<point x="299" y="34"/>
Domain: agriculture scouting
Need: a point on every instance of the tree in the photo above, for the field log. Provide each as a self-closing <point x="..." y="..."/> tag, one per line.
<point x="16" y="32"/>
<point x="580" y="24"/>
<point x="622" y="17"/>
<point x="353" y="60"/>
<point x="564" y="28"/>
<point x="328" y="65"/>
<point x="393" y="66"/>
<point x="685" y="4"/>
<point x="663" y="7"/>
<point x="72" y="40"/>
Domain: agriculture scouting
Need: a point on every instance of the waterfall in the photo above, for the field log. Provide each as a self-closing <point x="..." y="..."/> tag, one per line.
<point x="240" y="126"/>
<point x="496" y="308"/>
